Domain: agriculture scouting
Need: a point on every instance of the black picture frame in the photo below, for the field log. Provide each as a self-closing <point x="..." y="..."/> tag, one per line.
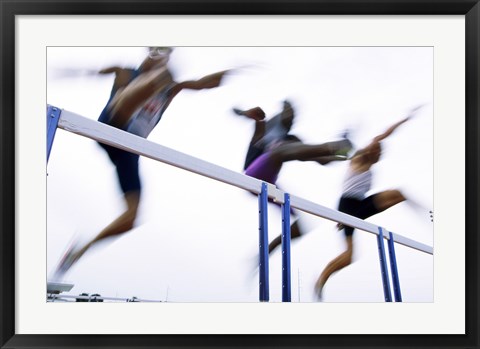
<point x="10" y="9"/>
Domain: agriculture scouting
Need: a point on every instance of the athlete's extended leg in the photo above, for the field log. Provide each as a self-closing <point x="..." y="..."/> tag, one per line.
<point x="305" y="152"/>
<point x="119" y="226"/>
<point x="381" y="202"/>
<point x="338" y="263"/>
<point x="387" y="199"/>
<point x="294" y="233"/>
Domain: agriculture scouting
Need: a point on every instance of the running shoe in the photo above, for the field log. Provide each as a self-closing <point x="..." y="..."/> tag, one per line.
<point x="345" y="147"/>
<point x="66" y="261"/>
<point x="318" y="293"/>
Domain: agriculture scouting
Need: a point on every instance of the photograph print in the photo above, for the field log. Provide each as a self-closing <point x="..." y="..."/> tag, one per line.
<point x="349" y="129"/>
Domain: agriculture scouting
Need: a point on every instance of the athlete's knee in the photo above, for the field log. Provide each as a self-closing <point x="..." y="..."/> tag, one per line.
<point x="129" y="225"/>
<point x="387" y="199"/>
<point x="396" y="196"/>
<point x="129" y="218"/>
<point x="400" y="195"/>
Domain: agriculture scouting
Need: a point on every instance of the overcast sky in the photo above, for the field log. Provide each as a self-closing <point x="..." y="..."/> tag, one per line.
<point x="196" y="239"/>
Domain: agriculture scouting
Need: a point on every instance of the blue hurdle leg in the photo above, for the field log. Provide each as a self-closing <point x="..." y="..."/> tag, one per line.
<point x="393" y="267"/>
<point x="263" y="267"/>
<point x="286" y="237"/>
<point x="53" y="116"/>
<point x="383" y="266"/>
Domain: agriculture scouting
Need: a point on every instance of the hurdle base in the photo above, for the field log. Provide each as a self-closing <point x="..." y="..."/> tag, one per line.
<point x="58" y="287"/>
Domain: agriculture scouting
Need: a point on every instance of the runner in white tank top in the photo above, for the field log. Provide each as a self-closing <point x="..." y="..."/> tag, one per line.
<point x="354" y="202"/>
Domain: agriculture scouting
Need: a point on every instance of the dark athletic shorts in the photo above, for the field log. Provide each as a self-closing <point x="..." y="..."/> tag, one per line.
<point x="358" y="208"/>
<point x="126" y="163"/>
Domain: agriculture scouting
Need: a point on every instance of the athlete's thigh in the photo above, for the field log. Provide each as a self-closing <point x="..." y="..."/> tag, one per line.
<point x="388" y="198"/>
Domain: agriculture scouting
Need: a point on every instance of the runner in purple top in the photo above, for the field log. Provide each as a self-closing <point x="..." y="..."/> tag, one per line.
<point x="272" y="145"/>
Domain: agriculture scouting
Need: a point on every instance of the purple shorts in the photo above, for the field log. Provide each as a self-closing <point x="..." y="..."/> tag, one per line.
<point x="261" y="169"/>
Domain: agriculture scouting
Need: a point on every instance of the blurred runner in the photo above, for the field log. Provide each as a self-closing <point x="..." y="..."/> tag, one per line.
<point x="354" y="201"/>
<point x="272" y="145"/>
<point x="138" y="99"/>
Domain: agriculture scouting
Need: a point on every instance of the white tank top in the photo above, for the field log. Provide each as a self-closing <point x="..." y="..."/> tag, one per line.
<point x="147" y="117"/>
<point x="357" y="184"/>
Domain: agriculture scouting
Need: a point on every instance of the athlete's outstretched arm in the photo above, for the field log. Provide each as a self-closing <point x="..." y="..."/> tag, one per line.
<point x="208" y="81"/>
<point x="390" y="130"/>
<point x="122" y="75"/>
<point x="109" y="70"/>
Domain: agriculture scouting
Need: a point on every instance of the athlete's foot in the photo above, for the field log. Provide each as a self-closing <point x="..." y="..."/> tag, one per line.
<point x="256" y="113"/>
<point x="318" y="289"/>
<point x="66" y="262"/>
<point x="345" y="146"/>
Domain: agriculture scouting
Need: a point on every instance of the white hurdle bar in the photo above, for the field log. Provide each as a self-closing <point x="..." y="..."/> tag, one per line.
<point x="115" y="137"/>
<point x="333" y="215"/>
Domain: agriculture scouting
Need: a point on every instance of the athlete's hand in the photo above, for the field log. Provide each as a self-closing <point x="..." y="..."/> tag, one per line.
<point x="213" y="80"/>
